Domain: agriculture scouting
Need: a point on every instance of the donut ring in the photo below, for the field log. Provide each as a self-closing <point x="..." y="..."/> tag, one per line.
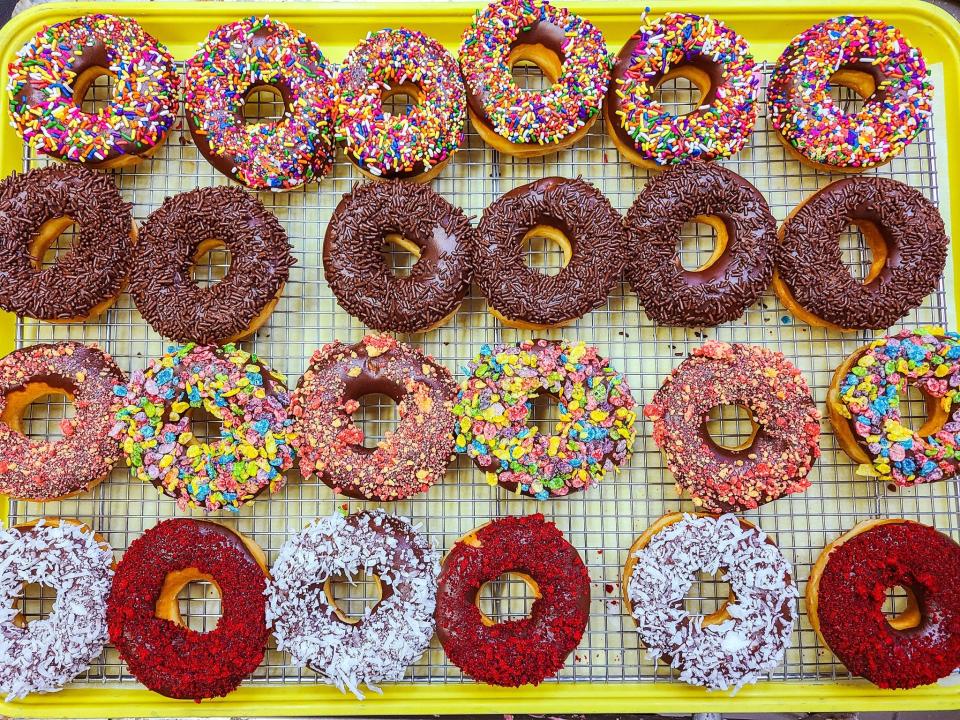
<point x="569" y="51"/>
<point x="748" y="635"/>
<point x="50" y="77"/>
<point x="515" y="652"/>
<point x="329" y="444"/>
<point x="234" y="387"/>
<point x="35" y="208"/>
<point x="741" y="266"/>
<point x="416" y="145"/>
<point x="594" y="435"/>
<point x="847" y="588"/>
<point x="577" y="216"/>
<point x="240" y="58"/>
<point x="144" y="619"/>
<point x="863" y="404"/>
<point x="184" y="229"/>
<point x="69" y="557"/>
<point x="711" y="56"/>
<point x="41" y="470"/>
<point x="778" y="456"/>
<point x="391" y="635"/>
<point x="418" y="220"/>
<point x="868" y="56"/>
<point x="901" y="227"/>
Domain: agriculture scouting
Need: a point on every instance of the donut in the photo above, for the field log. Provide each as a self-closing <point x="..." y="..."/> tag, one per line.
<point x="38" y="470"/>
<point x="51" y="75"/>
<point x="232" y="386"/>
<point x="515" y="652"/>
<point x="568" y="50"/>
<point x="414" y="218"/>
<point x="240" y="58"/>
<point x="777" y="457"/>
<point x="738" y="271"/>
<point x="68" y="557"/>
<point x="143" y="613"/>
<point x="184" y="229"/>
<point x="748" y="635"/>
<point x="35" y="207"/>
<point x="390" y="636"/>
<point x="329" y="444"/>
<point x="571" y="213"/>
<point x="863" y="404"/>
<point x="873" y="59"/>
<point x="594" y="435"/>
<point x="708" y="54"/>
<point x="907" y="240"/>
<point x="846" y="592"/>
<point x="416" y="145"/>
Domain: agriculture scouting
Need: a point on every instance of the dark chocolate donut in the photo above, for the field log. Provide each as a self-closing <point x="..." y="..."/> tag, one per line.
<point x="417" y="218"/>
<point x="34" y="208"/>
<point x="734" y="279"/>
<point x="902" y="228"/>
<point x="185" y="227"/>
<point x="526" y="297"/>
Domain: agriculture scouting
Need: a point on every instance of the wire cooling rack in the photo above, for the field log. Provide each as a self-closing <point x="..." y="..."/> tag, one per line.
<point x="601" y="523"/>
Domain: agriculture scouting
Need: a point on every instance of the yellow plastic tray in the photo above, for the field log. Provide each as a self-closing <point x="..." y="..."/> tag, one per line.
<point x="336" y="28"/>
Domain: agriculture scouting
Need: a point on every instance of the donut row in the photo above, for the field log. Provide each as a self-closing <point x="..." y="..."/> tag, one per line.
<point x="134" y="603"/>
<point x="325" y="104"/>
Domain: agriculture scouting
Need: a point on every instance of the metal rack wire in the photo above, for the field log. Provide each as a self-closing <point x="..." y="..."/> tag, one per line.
<point x="601" y="523"/>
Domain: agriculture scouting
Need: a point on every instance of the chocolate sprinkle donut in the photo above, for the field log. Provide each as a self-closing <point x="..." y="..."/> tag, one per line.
<point x="725" y="288"/>
<point x="592" y="227"/>
<point x="92" y="273"/>
<point x="260" y="259"/>
<point x="353" y="261"/>
<point x="810" y="263"/>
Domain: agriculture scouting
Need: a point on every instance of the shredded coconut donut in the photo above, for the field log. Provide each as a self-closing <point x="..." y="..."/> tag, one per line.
<point x="391" y="635"/>
<point x="740" y="648"/>
<point x="48" y="653"/>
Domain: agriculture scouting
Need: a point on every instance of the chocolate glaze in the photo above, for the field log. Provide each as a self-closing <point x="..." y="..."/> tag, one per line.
<point x="595" y="232"/>
<point x="674" y="296"/>
<point x="358" y="276"/>
<point x="810" y="262"/>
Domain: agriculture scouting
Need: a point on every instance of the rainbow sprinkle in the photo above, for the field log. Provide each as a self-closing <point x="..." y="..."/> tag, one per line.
<point x="526" y="116"/>
<point x="49" y="118"/>
<point x="803" y="112"/>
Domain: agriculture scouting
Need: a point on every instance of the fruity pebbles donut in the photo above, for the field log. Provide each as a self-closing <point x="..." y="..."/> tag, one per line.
<point x="415" y="145"/>
<point x="778" y="456"/>
<point x="50" y="77"/>
<point x="863" y="404"/>
<point x="594" y="435"/>
<point x="391" y="635"/>
<point x="236" y="60"/>
<point x="868" y="56"/>
<point x="711" y="56"/>
<point x="232" y="386"/>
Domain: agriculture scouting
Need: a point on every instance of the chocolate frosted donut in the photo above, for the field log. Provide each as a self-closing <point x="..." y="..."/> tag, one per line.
<point x="416" y="219"/>
<point x="34" y="209"/>
<point x="904" y="232"/>
<point x="184" y="229"/>
<point x="741" y="267"/>
<point x="581" y="220"/>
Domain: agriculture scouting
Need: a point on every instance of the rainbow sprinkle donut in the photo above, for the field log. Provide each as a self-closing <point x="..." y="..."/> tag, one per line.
<point x="569" y="50"/>
<point x="864" y="398"/>
<point x="595" y="432"/>
<point x="419" y="143"/>
<point x="234" y="387"/>
<point x="869" y="56"/>
<point x="239" y="58"/>
<point x="712" y="56"/>
<point x="52" y="72"/>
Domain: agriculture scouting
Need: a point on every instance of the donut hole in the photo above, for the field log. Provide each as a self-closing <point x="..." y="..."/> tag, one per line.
<point x="544" y="413"/>
<point x="508" y="597"/>
<point x="93" y="90"/>
<point x="731" y="427"/>
<point x="682" y="90"/>
<point x="205" y="427"/>
<point x="850" y="88"/>
<point x="533" y="67"/>
<point x="41" y="412"/>
<point x="377" y="416"/>
<point x="399" y="255"/>
<point x="901" y="608"/>
<point x="34" y="602"/>
<point x="353" y="598"/>
<point x="190" y="599"/>
<point x="703" y="240"/>
<point x="708" y="597"/>
<point x="546" y="250"/>
<point x="263" y="104"/>
<point x="52" y="242"/>
<point x="864" y="250"/>
<point x="210" y="263"/>
<point x="400" y="100"/>
<point x="920" y="412"/>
